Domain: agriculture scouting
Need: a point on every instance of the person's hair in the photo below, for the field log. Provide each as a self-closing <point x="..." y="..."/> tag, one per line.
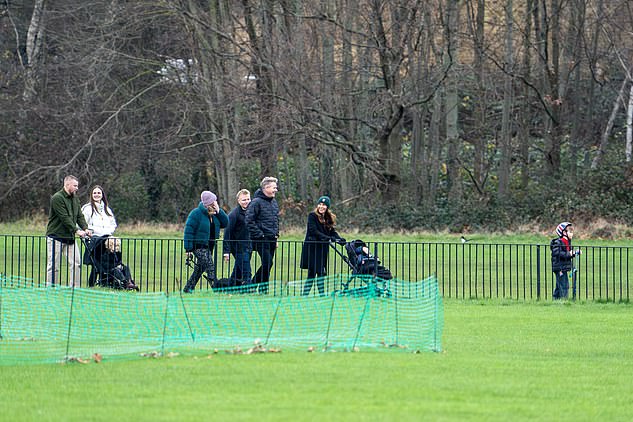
<point x="328" y="218"/>
<point x="104" y="199"/>
<point x="69" y="178"/>
<point x="242" y="192"/>
<point x="113" y="244"/>
<point x="267" y="181"/>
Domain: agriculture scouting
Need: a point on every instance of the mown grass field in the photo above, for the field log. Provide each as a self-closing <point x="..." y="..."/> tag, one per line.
<point x="501" y="360"/>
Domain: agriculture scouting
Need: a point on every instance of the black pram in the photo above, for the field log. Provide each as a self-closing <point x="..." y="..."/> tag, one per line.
<point x="363" y="262"/>
<point x="365" y="267"/>
<point x="104" y="254"/>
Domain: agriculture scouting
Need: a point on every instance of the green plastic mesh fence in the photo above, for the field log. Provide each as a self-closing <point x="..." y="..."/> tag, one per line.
<point x="59" y="324"/>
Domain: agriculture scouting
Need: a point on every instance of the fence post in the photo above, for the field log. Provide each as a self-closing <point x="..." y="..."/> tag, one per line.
<point x="54" y="259"/>
<point x="538" y="272"/>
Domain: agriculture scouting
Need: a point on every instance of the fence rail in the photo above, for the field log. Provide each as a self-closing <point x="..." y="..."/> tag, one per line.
<point x="470" y="270"/>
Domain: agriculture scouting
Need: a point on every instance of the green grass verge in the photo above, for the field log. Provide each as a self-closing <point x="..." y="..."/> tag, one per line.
<point x="501" y="361"/>
<point x="522" y="235"/>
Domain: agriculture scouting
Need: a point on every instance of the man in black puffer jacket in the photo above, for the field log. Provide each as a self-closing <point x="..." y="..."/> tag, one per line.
<point x="562" y="255"/>
<point x="262" y="219"/>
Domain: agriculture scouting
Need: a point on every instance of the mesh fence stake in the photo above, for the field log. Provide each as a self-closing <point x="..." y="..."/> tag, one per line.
<point x="272" y="323"/>
<point x="162" y="347"/>
<point x="329" y="323"/>
<point x="435" y="316"/>
<point x="395" y="298"/>
<point x="1" y="293"/>
<point x="184" y="308"/>
<point x="362" y="318"/>
<point x="70" y="319"/>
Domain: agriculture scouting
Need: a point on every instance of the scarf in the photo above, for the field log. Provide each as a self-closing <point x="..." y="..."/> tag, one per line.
<point x="566" y="243"/>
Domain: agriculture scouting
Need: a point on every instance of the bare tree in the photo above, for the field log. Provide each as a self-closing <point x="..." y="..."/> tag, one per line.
<point x="606" y="135"/>
<point x="508" y="104"/>
<point x="159" y="99"/>
<point x="629" y="128"/>
<point x="34" y="41"/>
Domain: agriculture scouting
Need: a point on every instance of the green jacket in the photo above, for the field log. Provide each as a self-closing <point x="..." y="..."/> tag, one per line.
<point x="198" y="227"/>
<point x="64" y="216"/>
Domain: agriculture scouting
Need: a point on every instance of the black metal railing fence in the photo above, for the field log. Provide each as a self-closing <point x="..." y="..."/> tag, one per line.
<point x="464" y="270"/>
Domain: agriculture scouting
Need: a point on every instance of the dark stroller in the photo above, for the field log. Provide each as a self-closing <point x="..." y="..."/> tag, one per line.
<point x="364" y="267"/>
<point x="104" y="254"/>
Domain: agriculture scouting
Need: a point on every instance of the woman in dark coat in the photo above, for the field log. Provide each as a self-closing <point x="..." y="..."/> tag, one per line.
<point x="314" y="253"/>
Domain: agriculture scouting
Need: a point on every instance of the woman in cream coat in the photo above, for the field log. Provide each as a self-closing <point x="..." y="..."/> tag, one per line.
<point x="98" y="214"/>
<point x="100" y="219"/>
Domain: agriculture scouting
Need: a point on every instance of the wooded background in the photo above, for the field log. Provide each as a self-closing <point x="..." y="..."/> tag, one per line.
<point x="409" y="114"/>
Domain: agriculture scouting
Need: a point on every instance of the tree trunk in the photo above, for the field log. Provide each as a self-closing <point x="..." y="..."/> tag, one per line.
<point x="479" y="140"/>
<point x="388" y="137"/>
<point x="545" y="35"/>
<point x="574" y="102"/>
<point x="227" y="147"/>
<point x="348" y="185"/>
<point x="604" y="140"/>
<point x="629" y="127"/>
<point x="302" y="167"/>
<point x="419" y="175"/>
<point x="524" y="128"/>
<point x="436" y="148"/>
<point x="452" y="103"/>
<point x="508" y="103"/>
<point x="34" y="41"/>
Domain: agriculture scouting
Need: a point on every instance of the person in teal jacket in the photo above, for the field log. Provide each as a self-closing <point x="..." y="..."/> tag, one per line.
<point x="201" y="230"/>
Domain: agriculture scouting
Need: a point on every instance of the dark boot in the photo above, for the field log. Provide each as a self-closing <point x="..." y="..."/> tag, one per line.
<point x="131" y="286"/>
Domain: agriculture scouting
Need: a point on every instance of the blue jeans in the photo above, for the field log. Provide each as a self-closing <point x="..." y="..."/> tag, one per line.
<point x="242" y="267"/>
<point x="562" y="285"/>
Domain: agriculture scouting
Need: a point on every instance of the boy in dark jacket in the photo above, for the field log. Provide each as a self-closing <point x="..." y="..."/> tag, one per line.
<point x="201" y="230"/>
<point x="562" y="255"/>
<point x="237" y="240"/>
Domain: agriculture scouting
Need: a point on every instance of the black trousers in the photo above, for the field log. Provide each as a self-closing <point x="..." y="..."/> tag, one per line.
<point x="204" y="263"/>
<point x="92" y="278"/>
<point x="266" y="251"/>
<point x="312" y="275"/>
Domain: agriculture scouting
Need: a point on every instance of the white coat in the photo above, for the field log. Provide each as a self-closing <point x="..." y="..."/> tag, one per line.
<point x="98" y="221"/>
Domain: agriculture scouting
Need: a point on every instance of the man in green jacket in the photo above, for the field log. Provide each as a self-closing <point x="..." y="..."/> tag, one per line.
<point x="65" y="220"/>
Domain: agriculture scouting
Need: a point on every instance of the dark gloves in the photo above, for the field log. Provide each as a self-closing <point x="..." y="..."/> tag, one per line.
<point x="340" y="240"/>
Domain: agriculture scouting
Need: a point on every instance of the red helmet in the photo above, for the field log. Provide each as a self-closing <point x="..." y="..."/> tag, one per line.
<point x="562" y="227"/>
